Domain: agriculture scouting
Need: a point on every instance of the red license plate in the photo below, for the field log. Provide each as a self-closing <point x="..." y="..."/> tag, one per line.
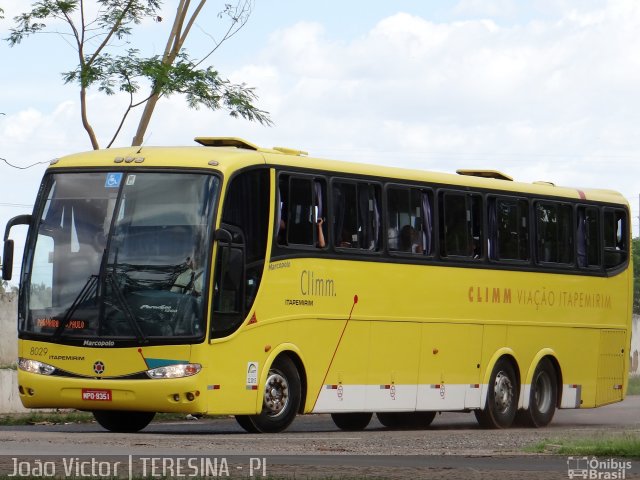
<point x="96" y="395"/>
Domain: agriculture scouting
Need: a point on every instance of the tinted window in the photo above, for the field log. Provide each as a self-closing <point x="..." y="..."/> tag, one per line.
<point x="555" y="232"/>
<point x="588" y="237"/>
<point x="409" y="220"/>
<point x="357" y="221"/>
<point x="302" y="210"/>
<point x="615" y="237"/>
<point x="509" y="226"/>
<point x="461" y="220"/>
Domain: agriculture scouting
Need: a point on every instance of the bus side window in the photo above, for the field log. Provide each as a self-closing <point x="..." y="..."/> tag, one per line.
<point x="461" y="231"/>
<point x="509" y="229"/>
<point x="356" y="215"/>
<point x="301" y="211"/>
<point x="409" y="220"/>
<point x="615" y="237"/>
<point x="588" y="237"/>
<point x="300" y="222"/>
<point x="554" y="232"/>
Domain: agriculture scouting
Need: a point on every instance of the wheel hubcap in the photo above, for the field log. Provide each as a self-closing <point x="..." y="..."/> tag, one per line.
<point x="503" y="392"/>
<point x="276" y="393"/>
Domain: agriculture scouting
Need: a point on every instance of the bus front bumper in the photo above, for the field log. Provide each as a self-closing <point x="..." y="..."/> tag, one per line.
<point x="180" y="395"/>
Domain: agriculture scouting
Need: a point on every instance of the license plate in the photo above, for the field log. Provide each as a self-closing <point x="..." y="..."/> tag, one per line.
<point x="96" y="395"/>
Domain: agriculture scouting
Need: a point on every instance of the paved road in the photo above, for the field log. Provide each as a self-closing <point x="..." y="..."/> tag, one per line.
<point x="453" y="447"/>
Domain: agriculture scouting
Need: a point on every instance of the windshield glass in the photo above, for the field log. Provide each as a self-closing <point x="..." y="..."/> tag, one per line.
<point x="122" y="256"/>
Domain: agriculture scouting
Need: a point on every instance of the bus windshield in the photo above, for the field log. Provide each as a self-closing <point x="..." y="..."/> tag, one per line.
<point x="120" y="256"/>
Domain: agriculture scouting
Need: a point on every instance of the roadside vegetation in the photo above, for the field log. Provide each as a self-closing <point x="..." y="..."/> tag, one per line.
<point x="619" y="445"/>
<point x="46" y="418"/>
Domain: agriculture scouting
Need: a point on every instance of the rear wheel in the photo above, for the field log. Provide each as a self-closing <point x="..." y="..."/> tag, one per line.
<point x="123" y="422"/>
<point x="502" y="397"/>
<point x="543" y="397"/>
<point x="406" y="419"/>
<point x="351" y="421"/>
<point x="281" y="400"/>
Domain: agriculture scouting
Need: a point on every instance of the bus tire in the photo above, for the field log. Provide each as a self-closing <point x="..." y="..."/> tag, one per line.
<point x="245" y="422"/>
<point x="282" y="396"/>
<point x="543" y="397"/>
<point x="502" y="397"/>
<point x="352" y="422"/>
<point x="406" y="420"/>
<point x="123" y="422"/>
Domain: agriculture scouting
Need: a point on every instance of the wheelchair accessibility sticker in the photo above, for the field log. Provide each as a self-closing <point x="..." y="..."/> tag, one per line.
<point x="113" y="180"/>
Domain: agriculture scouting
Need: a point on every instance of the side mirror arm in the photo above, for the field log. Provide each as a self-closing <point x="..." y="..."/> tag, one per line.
<point x="223" y="235"/>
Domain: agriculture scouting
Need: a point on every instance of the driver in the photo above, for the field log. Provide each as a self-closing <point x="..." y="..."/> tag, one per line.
<point x="189" y="281"/>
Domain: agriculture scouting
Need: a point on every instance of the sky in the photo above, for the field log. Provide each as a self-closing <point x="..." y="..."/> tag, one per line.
<point x="540" y="89"/>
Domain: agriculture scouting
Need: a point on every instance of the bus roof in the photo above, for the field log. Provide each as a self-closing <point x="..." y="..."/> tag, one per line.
<point x="227" y="154"/>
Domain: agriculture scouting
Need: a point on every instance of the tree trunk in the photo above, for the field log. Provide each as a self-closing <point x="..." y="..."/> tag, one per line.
<point x="145" y="118"/>
<point x="85" y="121"/>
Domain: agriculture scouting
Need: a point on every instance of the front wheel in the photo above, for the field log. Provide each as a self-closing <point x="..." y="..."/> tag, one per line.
<point x="123" y="422"/>
<point x="281" y="400"/>
<point x="502" y="397"/>
<point x="245" y="422"/>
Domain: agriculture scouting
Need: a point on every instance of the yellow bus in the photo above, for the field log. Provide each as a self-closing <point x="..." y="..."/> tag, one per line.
<point x="226" y="278"/>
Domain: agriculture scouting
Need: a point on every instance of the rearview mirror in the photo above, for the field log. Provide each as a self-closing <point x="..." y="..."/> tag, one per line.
<point x="7" y="264"/>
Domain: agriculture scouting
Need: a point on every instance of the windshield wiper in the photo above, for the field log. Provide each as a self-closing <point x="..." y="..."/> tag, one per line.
<point x="90" y="285"/>
<point x="124" y="306"/>
<point x="90" y="289"/>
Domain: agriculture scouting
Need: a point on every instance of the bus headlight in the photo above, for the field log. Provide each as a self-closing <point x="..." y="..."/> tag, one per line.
<point x="175" y="371"/>
<point x="34" y="366"/>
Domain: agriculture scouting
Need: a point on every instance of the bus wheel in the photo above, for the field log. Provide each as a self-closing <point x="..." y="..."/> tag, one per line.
<point x="406" y="419"/>
<point x="351" y="421"/>
<point x="245" y="422"/>
<point x="502" y="398"/>
<point x="123" y="422"/>
<point x="543" y="397"/>
<point x="282" y="396"/>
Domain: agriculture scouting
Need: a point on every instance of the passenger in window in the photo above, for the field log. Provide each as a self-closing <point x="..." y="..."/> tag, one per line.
<point x="282" y="232"/>
<point x="393" y="237"/>
<point x="476" y="248"/>
<point x="409" y="240"/>
<point x="345" y="240"/>
<point x="321" y="241"/>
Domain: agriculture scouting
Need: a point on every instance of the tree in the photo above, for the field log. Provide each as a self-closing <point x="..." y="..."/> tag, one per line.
<point x="102" y="64"/>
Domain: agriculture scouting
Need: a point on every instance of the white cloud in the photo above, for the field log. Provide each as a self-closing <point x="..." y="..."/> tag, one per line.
<point x="486" y="8"/>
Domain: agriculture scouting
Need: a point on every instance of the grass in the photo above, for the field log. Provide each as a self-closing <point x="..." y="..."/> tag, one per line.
<point x="634" y="386"/>
<point x="622" y="445"/>
<point x="40" y="418"/>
